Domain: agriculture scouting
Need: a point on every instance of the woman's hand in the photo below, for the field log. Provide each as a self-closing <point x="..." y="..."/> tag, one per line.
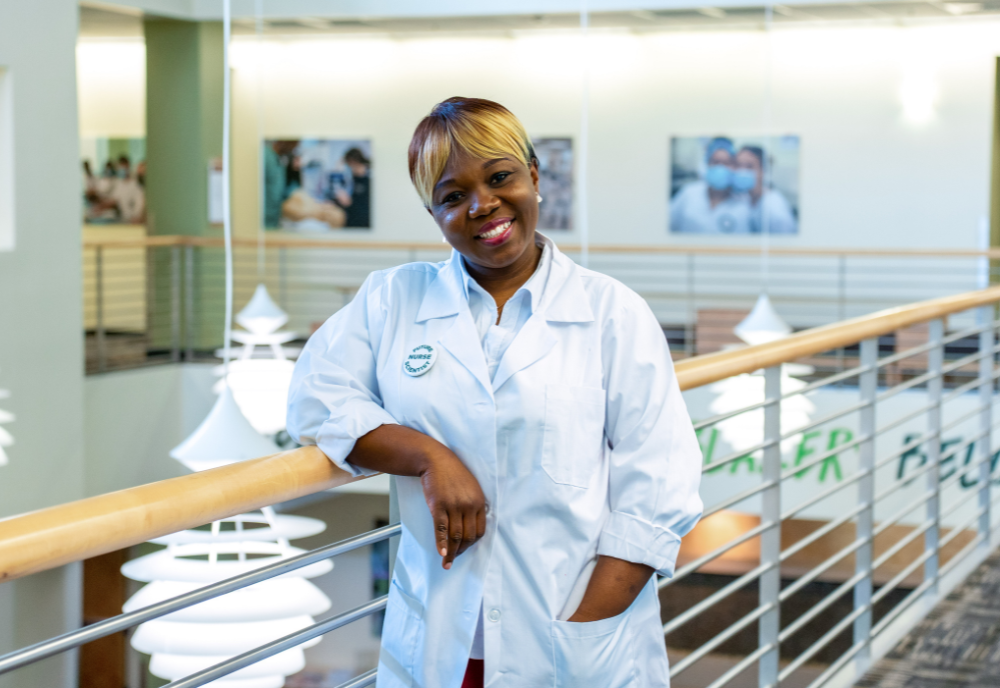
<point x="453" y="495"/>
<point x="613" y="587"/>
<point x="457" y="504"/>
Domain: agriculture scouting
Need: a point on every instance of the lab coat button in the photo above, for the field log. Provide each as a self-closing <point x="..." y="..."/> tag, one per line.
<point x="494" y="615"/>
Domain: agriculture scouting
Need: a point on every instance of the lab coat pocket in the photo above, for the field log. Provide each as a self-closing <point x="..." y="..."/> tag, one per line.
<point x="596" y="653"/>
<point x="401" y="631"/>
<point x="573" y="440"/>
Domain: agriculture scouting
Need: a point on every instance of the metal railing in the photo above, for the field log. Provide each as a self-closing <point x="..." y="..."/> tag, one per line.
<point x="887" y="539"/>
<point x="159" y="299"/>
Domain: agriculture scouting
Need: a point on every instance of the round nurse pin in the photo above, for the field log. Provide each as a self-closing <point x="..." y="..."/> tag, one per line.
<point x="420" y="360"/>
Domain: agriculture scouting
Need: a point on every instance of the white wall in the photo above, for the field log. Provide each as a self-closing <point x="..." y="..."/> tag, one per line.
<point x="135" y="417"/>
<point x="870" y="177"/>
<point x="41" y="343"/>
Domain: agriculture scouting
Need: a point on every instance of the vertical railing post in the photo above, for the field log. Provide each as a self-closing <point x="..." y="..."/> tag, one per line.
<point x="987" y="340"/>
<point x="692" y="315"/>
<point x="770" y="540"/>
<point x="932" y="448"/>
<point x="189" y="302"/>
<point x="867" y="387"/>
<point x="175" y="304"/>
<point x="283" y="277"/>
<point x="99" y="333"/>
<point x="841" y="304"/>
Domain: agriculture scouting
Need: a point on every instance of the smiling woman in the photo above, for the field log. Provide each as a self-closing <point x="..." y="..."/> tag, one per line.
<point x="546" y="465"/>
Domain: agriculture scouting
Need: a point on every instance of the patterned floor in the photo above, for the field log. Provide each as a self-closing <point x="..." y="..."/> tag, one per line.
<point x="956" y="646"/>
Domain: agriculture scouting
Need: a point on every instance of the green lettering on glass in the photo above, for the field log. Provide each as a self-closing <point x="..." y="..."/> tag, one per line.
<point x="833" y="461"/>
<point x="805" y="450"/>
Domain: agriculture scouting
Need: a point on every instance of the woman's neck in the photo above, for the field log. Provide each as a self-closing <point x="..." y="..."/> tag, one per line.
<point x="716" y="196"/>
<point x="503" y="283"/>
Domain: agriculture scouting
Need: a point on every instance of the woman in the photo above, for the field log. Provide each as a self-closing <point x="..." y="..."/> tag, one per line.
<point x="547" y="465"/>
<point x="768" y="208"/>
<point x="708" y="206"/>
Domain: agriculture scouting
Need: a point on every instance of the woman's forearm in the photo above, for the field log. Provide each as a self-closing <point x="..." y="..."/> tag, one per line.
<point x="613" y="587"/>
<point x="397" y="450"/>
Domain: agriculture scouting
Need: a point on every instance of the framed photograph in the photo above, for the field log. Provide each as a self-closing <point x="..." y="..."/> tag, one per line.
<point x="734" y="185"/>
<point x="317" y="185"/>
<point x="555" y="182"/>
<point x="114" y="180"/>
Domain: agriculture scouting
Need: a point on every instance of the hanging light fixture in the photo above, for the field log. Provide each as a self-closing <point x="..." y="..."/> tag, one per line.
<point x="211" y="632"/>
<point x="260" y="385"/>
<point x="746" y="430"/>
<point x="6" y="439"/>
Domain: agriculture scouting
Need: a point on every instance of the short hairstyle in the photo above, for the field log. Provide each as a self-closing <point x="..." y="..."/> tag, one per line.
<point x="356" y="155"/>
<point x="755" y="151"/>
<point x="479" y="127"/>
<point x="719" y="142"/>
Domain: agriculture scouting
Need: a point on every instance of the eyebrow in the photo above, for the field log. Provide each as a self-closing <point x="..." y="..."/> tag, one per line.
<point x="486" y="165"/>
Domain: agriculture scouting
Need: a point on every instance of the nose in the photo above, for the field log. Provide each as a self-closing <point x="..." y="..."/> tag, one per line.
<point x="483" y="203"/>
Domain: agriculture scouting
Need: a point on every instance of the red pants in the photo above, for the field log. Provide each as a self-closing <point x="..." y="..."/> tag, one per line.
<point x="474" y="674"/>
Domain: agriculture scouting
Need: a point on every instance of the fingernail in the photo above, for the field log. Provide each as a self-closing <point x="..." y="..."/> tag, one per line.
<point x="443" y="552"/>
<point x="447" y="566"/>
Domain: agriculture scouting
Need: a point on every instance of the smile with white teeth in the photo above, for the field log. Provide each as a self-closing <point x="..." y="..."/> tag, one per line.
<point x="496" y="231"/>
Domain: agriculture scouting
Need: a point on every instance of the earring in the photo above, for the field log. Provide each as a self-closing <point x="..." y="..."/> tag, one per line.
<point x="443" y="240"/>
<point x="539" y="197"/>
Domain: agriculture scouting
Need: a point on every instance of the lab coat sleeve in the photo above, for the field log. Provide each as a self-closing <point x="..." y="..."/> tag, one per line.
<point x="334" y="397"/>
<point x="655" y="459"/>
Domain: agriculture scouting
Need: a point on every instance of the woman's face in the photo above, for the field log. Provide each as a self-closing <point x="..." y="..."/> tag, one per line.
<point x="720" y="156"/>
<point x="745" y="160"/>
<point x="488" y="209"/>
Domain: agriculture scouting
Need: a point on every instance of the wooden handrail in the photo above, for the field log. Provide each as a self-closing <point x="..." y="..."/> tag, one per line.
<point x="58" y="535"/>
<point x="271" y="241"/>
<point x="78" y="530"/>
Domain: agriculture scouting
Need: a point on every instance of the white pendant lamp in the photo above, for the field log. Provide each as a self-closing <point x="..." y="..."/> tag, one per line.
<point x="746" y="430"/>
<point x="224" y="437"/>
<point x="763" y="324"/>
<point x="261" y="315"/>
<point x="6" y="439"/>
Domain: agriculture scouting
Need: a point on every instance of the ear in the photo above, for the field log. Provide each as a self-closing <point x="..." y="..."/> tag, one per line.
<point x="534" y="173"/>
<point x="429" y="211"/>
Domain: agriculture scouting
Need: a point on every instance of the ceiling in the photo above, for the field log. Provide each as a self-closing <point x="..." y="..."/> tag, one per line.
<point x="105" y="22"/>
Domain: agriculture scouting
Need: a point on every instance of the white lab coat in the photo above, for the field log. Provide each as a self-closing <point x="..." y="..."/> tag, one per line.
<point x="691" y="212"/>
<point x="582" y="445"/>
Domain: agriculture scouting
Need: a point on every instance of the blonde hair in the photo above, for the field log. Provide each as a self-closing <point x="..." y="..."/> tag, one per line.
<point x="479" y="127"/>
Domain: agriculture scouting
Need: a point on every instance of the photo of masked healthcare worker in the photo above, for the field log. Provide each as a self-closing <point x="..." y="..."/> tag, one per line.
<point x="730" y="185"/>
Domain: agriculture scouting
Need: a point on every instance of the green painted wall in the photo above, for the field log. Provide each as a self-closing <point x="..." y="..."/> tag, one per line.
<point x="184" y="87"/>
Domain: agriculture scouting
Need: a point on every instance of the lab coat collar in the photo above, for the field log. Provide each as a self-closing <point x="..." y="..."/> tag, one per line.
<point x="564" y="298"/>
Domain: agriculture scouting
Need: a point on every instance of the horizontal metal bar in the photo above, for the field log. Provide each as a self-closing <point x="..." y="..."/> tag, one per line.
<point x="693" y="566"/>
<point x="741" y="665"/>
<point x="902" y="606"/>
<point x="818" y="608"/>
<point x="972" y="384"/>
<point x="892" y="520"/>
<point x="894" y="582"/>
<point x="729" y="458"/>
<point x="274" y="647"/>
<point x="831" y="380"/>
<point x="912" y="444"/>
<point x="896" y="422"/>
<point x="714" y="598"/>
<point x="820" y="458"/>
<point x="903" y="386"/>
<point x="823" y="641"/>
<point x="961" y="419"/>
<point x="962" y="554"/>
<point x="722" y="637"/>
<point x="823" y="494"/>
<point x="959" y="529"/>
<point x="968" y="332"/>
<point x="824" y="420"/>
<point x="731" y="414"/>
<point x="903" y="542"/>
<point x="68" y="641"/>
<point x="365" y="679"/>
<point x="814" y="573"/>
<point x="828" y="673"/>
<point x="820" y="532"/>
<point x="908" y="353"/>
<point x="737" y="498"/>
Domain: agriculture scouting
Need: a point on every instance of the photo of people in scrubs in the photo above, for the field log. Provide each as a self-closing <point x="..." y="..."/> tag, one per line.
<point x="317" y="185"/>
<point x="724" y="185"/>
